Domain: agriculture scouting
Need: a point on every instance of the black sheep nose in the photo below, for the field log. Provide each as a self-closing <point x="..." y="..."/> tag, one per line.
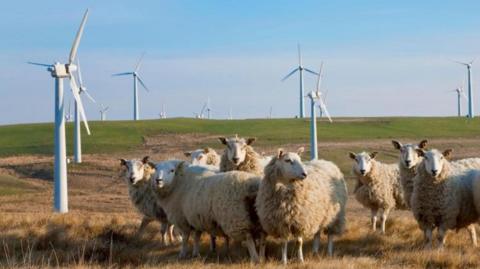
<point x="304" y="175"/>
<point x="434" y="171"/>
<point x="132" y="179"/>
<point x="235" y="160"/>
<point x="362" y="171"/>
<point x="408" y="163"/>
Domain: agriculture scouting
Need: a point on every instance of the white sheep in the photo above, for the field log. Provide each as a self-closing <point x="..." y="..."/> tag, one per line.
<point x="378" y="186"/>
<point x="206" y="156"/>
<point x="297" y="200"/>
<point x="200" y="200"/>
<point x="137" y="176"/>
<point x="239" y="155"/>
<point x="409" y="159"/>
<point x="442" y="196"/>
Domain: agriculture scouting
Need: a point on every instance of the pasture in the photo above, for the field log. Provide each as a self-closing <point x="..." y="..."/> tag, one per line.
<point x="100" y="229"/>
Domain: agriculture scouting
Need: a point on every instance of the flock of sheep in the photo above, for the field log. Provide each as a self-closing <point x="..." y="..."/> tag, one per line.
<point x="244" y="196"/>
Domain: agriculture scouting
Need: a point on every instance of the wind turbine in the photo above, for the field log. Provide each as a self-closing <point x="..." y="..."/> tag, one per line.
<point x="77" y="148"/>
<point x="230" y="117"/>
<point x="208" y="108"/>
<point x="201" y="115"/>
<point x="460" y="94"/>
<point x="270" y="112"/>
<point x="163" y="114"/>
<point x="469" y="83"/>
<point x="136" y="78"/>
<point x="300" y="70"/>
<point x="316" y="96"/>
<point x="68" y="115"/>
<point x="103" y="112"/>
<point x="59" y="72"/>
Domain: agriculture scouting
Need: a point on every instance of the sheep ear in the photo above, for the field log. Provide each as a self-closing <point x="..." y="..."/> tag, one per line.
<point x="420" y="152"/>
<point x="206" y="150"/>
<point x="145" y="159"/>
<point x="123" y="162"/>
<point x="187" y="153"/>
<point x="223" y="140"/>
<point x="396" y="144"/>
<point x="300" y="150"/>
<point x="423" y="144"/>
<point x="447" y="153"/>
<point x="280" y="153"/>
<point x="251" y="140"/>
<point x="352" y="155"/>
<point x="373" y="154"/>
<point x="179" y="167"/>
<point x="152" y="165"/>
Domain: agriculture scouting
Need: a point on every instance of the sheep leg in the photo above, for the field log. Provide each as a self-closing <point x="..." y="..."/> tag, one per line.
<point x="227" y="245"/>
<point x="383" y="219"/>
<point x="316" y="243"/>
<point x="441" y="236"/>
<point x="143" y="225"/>
<point x="250" y="244"/>
<point x="184" y="250"/>
<point x="171" y="235"/>
<point x="262" y="247"/>
<point x="300" y="249"/>
<point x="374" y="219"/>
<point x="473" y="234"/>
<point x="213" y="243"/>
<point x="428" y="237"/>
<point x="196" y="244"/>
<point x="284" y="252"/>
<point x="330" y="245"/>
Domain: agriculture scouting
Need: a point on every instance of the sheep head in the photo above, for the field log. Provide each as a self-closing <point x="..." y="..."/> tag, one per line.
<point x="363" y="162"/>
<point x="434" y="160"/>
<point x="409" y="156"/>
<point x="236" y="148"/>
<point x="289" y="166"/>
<point x="134" y="170"/>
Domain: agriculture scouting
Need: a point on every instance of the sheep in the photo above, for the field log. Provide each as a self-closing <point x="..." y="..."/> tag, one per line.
<point x="409" y="159"/>
<point x="137" y="176"/>
<point x="206" y="156"/>
<point x="378" y="186"/>
<point x="297" y="200"/>
<point x="442" y="196"/>
<point x="200" y="200"/>
<point x="239" y="155"/>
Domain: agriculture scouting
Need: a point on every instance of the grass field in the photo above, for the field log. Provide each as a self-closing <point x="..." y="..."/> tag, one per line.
<point x="100" y="229"/>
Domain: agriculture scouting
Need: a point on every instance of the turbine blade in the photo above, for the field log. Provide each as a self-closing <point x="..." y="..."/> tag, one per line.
<point x="80" y="80"/>
<point x="78" y="99"/>
<point x="137" y="67"/>
<point x="299" y="55"/>
<point x="310" y="71"/>
<point x="122" y="74"/>
<point x="40" y="64"/>
<point x="324" y="108"/>
<point x="143" y="84"/>
<point x="107" y="108"/>
<point x="289" y="74"/>
<point x="76" y="42"/>
<point x="89" y="96"/>
<point x="458" y="62"/>
<point x="319" y="77"/>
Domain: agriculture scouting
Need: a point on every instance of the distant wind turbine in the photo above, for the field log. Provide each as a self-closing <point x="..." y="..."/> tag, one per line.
<point x="460" y="94"/>
<point x="471" y="113"/>
<point x="103" y="112"/>
<point x="209" y="109"/>
<point x="163" y="113"/>
<point x="300" y="70"/>
<point x="59" y="72"/>
<point x="136" y="78"/>
<point x="316" y="96"/>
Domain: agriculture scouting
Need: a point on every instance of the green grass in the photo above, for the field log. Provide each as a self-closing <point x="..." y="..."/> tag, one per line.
<point x="10" y="185"/>
<point x="117" y="136"/>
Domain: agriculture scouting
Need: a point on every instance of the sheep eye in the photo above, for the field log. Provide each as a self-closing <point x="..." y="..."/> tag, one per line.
<point x="289" y="161"/>
<point x="171" y="171"/>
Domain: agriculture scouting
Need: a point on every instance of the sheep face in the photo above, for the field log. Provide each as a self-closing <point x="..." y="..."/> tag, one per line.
<point x="164" y="174"/>
<point x="134" y="171"/>
<point x="236" y="148"/>
<point x="434" y="160"/>
<point x="199" y="156"/>
<point x="363" y="162"/>
<point x="290" y="166"/>
<point x="409" y="157"/>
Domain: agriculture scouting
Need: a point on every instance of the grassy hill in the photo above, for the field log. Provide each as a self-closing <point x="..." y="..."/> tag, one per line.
<point x="115" y="136"/>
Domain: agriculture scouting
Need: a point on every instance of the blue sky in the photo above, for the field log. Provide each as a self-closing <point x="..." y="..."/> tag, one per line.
<point x="381" y="58"/>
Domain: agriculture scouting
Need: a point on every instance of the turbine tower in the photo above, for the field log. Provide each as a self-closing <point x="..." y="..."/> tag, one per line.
<point x="460" y="94"/>
<point x="316" y="96"/>
<point x="59" y="72"/>
<point x="300" y="70"/>
<point x="471" y="113"/>
<point x="77" y="147"/>
<point x="103" y="112"/>
<point x="136" y="78"/>
<point x="208" y="108"/>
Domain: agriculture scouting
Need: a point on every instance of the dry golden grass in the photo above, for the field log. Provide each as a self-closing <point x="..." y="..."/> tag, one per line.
<point x="100" y="230"/>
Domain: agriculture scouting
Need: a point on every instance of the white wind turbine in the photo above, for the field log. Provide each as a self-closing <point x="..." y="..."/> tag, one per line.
<point x="460" y="94"/>
<point x="136" y="78"/>
<point x="208" y="108"/>
<point x="103" y="112"/>
<point x="68" y="115"/>
<point x="471" y="113"/>
<point x="316" y="96"/>
<point x="300" y="70"/>
<point x="59" y="72"/>
<point x="163" y="113"/>
<point x="77" y="147"/>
